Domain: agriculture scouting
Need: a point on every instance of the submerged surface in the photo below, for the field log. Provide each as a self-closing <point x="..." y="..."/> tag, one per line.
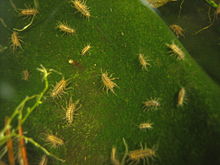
<point x="118" y="32"/>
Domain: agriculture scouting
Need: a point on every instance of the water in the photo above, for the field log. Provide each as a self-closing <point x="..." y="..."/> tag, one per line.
<point x="204" y="46"/>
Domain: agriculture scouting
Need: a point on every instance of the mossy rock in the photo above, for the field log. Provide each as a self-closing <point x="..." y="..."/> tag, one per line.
<point x="117" y="31"/>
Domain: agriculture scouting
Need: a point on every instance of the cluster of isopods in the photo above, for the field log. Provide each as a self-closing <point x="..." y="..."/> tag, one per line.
<point x="146" y="153"/>
<point x="107" y="79"/>
<point x="60" y="87"/>
<point x="57" y="92"/>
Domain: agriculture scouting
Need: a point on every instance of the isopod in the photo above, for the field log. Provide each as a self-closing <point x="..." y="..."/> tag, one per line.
<point x="181" y="97"/>
<point x="151" y="104"/>
<point x="143" y="61"/>
<point x="63" y="27"/>
<point x="86" y="49"/>
<point x="144" y="154"/>
<point x="59" y="88"/>
<point x="81" y="7"/>
<point x="147" y="125"/>
<point x="15" y="41"/>
<point x="176" y="50"/>
<point x="29" y="12"/>
<point x="54" y="140"/>
<point x="71" y="109"/>
<point x="108" y="82"/>
<point x="178" y="30"/>
<point x="25" y="75"/>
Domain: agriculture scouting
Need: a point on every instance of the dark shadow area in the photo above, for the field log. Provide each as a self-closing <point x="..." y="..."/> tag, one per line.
<point x="205" y="45"/>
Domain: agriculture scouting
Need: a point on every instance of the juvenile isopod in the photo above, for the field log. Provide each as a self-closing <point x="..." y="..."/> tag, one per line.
<point x="71" y="109"/>
<point x="178" y="30"/>
<point x="181" y="97"/>
<point x="63" y="27"/>
<point x="86" y="49"/>
<point x="146" y="125"/>
<point x="144" y="62"/>
<point x="176" y="50"/>
<point x="15" y="40"/>
<point x="59" y="88"/>
<point x="108" y="83"/>
<point x="151" y="104"/>
<point x="29" y="12"/>
<point x="25" y="75"/>
<point x="54" y="140"/>
<point x="144" y="154"/>
<point x="81" y="7"/>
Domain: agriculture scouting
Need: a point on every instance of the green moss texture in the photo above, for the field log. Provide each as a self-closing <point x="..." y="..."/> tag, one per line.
<point x="117" y="31"/>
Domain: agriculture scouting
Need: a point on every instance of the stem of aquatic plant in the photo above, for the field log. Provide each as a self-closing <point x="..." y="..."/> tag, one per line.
<point x="20" y="107"/>
<point x="18" y="111"/>
<point x="36" y="144"/>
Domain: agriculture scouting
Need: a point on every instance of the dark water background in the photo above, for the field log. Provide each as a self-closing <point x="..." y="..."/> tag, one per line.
<point x="204" y="47"/>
